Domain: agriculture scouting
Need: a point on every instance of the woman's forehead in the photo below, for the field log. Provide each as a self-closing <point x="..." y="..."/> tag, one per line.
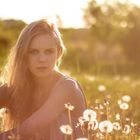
<point x="42" y="40"/>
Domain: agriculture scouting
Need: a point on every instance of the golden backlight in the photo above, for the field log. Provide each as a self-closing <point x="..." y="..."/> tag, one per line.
<point x="69" y="11"/>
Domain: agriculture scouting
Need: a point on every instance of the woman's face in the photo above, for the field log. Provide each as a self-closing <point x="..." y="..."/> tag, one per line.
<point x="42" y="55"/>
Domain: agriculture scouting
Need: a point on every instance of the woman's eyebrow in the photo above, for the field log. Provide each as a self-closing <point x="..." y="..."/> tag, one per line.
<point x="33" y="49"/>
<point x="45" y="49"/>
<point x="50" y="48"/>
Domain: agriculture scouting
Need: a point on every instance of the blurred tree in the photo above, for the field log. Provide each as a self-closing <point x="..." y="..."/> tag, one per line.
<point x="9" y="31"/>
<point x="132" y="39"/>
<point x="116" y="23"/>
<point x="12" y="28"/>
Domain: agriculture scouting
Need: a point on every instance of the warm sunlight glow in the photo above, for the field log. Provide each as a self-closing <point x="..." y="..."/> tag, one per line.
<point x="137" y="2"/>
<point x="70" y="11"/>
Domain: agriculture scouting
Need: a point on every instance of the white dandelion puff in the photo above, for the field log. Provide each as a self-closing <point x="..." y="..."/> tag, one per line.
<point x="101" y="112"/>
<point x="126" y="129"/>
<point x="126" y="98"/>
<point x="119" y="102"/>
<point x="99" y="135"/>
<point x="66" y="129"/>
<point x="133" y="124"/>
<point x="81" y="120"/>
<point x="117" y="116"/>
<point x="106" y="102"/>
<point x="89" y="115"/>
<point x="102" y="88"/>
<point x="106" y="126"/>
<point x="124" y="106"/>
<point x="127" y="119"/>
<point x="100" y="106"/>
<point x="96" y="107"/>
<point x="116" y="126"/>
<point x="69" y="106"/>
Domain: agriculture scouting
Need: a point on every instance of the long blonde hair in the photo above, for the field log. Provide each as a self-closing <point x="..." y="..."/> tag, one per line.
<point x="17" y="75"/>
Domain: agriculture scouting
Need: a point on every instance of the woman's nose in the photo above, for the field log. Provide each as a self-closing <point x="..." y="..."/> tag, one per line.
<point x="42" y="57"/>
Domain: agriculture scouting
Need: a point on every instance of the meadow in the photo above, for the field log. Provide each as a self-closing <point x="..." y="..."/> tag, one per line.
<point x="110" y="81"/>
<point x="114" y="102"/>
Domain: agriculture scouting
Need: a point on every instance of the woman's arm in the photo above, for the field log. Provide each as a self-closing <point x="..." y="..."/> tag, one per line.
<point x="4" y="96"/>
<point x="52" y="108"/>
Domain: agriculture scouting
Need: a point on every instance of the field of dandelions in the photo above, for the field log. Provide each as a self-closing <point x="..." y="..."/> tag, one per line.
<point x="113" y="109"/>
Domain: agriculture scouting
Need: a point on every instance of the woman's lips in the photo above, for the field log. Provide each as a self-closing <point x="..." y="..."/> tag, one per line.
<point x="42" y="68"/>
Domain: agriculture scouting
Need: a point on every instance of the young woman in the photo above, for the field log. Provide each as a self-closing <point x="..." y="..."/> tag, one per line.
<point x="35" y="90"/>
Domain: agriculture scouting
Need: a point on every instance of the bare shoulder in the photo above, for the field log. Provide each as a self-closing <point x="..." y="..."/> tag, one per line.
<point x="69" y="84"/>
<point x="70" y="91"/>
<point x="71" y="88"/>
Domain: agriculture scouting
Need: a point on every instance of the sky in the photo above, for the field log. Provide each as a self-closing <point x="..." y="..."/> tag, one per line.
<point x="70" y="11"/>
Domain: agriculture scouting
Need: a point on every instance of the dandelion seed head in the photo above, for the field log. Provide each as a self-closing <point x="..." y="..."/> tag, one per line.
<point x="96" y="107"/>
<point x="117" y="116"/>
<point x="126" y="129"/>
<point x="126" y="98"/>
<point x="124" y="106"/>
<point x="97" y="101"/>
<point x="66" y="129"/>
<point x="69" y="106"/>
<point x="102" y="88"/>
<point x="119" y="102"/>
<point x="99" y="135"/>
<point x="89" y="115"/>
<point x="116" y="126"/>
<point x="105" y="126"/>
<point x="133" y="124"/>
<point x="106" y="102"/>
<point x="101" y="112"/>
<point x="100" y="106"/>
<point x="127" y="119"/>
<point x="81" y="120"/>
<point x="77" y="125"/>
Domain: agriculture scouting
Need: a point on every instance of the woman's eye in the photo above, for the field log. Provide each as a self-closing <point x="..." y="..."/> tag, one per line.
<point x="49" y="51"/>
<point x="33" y="51"/>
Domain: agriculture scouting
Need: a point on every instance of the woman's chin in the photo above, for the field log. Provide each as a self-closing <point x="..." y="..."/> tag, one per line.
<point x="42" y="74"/>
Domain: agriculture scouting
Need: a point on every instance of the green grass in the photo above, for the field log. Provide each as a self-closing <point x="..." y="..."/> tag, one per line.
<point x="116" y="87"/>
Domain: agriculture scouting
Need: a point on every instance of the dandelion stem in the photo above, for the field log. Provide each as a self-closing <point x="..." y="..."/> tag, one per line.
<point x="70" y="122"/>
<point x="106" y="136"/>
<point x="65" y="137"/>
<point x="88" y="135"/>
<point x="69" y="116"/>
